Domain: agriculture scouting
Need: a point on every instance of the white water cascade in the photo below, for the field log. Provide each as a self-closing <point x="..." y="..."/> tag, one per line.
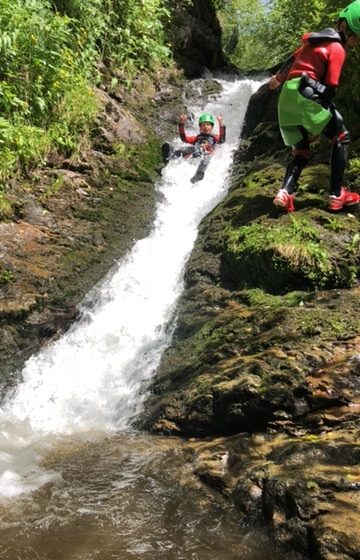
<point x="90" y="381"/>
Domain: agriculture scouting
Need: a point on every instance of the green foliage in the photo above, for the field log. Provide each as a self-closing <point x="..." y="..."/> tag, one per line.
<point x="128" y="34"/>
<point x="40" y="71"/>
<point x="39" y="60"/>
<point x="20" y="145"/>
<point x="289" y="20"/>
<point x="51" y="52"/>
<point x="354" y="245"/>
<point x="243" y="42"/>
<point x="73" y="116"/>
<point x="5" y="207"/>
<point x="259" y="35"/>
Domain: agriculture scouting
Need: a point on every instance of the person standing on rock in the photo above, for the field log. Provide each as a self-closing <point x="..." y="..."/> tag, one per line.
<point x="309" y="80"/>
<point x="202" y="144"/>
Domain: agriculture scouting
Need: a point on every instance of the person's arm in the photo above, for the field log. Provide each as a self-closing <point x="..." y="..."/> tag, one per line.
<point x="184" y="137"/>
<point x="220" y="138"/>
<point x="281" y="74"/>
<point x="337" y="55"/>
<point x="222" y="129"/>
<point x="331" y="80"/>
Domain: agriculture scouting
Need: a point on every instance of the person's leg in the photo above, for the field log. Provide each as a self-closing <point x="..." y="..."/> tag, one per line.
<point x="185" y="152"/>
<point x="301" y="155"/>
<point x="339" y="136"/>
<point x="200" y="172"/>
<point x="168" y="153"/>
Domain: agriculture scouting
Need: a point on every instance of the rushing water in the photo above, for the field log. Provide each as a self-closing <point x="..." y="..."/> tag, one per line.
<point x="75" y="481"/>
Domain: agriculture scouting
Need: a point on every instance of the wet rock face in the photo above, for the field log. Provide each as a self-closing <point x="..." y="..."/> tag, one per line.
<point x="296" y="486"/>
<point x="265" y="358"/>
<point x="262" y="108"/>
<point x="59" y="246"/>
<point x="195" y="34"/>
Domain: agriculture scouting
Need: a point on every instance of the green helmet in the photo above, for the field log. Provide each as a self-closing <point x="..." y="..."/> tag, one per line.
<point x="206" y="117"/>
<point x="352" y="16"/>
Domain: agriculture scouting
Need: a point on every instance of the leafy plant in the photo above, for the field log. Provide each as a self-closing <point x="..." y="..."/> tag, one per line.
<point x="51" y="52"/>
<point x="354" y="244"/>
<point x="5" y="207"/>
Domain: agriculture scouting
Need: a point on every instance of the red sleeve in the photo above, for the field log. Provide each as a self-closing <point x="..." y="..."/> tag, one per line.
<point x="184" y="137"/>
<point x="336" y="60"/>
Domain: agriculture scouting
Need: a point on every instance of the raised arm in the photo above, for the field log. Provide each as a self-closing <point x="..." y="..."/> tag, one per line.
<point x="222" y="129"/>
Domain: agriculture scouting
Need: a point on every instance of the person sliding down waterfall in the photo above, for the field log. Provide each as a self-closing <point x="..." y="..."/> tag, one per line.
<point x="310" y="78"/>
<point x="202" y="144"/>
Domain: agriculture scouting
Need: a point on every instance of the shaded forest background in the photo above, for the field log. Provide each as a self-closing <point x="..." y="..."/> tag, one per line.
<point x="54" y="54"/>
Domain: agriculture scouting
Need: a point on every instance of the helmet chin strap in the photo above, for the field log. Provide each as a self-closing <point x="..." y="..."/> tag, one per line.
<point x="343" y="37"/>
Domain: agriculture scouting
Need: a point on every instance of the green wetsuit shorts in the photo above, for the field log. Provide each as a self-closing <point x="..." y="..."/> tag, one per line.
<point x="295" y="110"/>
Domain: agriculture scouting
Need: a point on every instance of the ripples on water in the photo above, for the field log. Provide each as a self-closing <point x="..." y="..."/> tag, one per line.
<point x="126" y="498"/>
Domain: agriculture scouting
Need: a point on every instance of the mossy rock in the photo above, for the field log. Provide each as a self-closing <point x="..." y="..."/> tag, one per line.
<point x="258" y="246"/>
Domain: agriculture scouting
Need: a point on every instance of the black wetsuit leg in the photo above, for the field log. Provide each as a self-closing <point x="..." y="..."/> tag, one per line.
<point x="185" y="152"/>
<point x="200" y="172"/>
<point x="336" y="131"/>
<point x="168" y="153"/>
<point x="301" y="156"/>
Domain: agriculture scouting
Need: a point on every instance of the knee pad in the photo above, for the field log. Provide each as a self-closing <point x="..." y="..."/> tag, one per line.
<point x="302" y="152"/>
<point x="335" y="130"/>
<point x="343" y="137"/>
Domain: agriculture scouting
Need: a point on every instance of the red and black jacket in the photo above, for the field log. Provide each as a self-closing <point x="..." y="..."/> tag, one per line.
<point x="320" y="57"/>
<point x="205" y="142"/>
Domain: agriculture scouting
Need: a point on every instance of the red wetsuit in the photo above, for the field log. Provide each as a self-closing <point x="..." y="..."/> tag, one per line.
<point x="319" y="61"/>
<point x="321" y="57"/>
<point x="204" y="142"/>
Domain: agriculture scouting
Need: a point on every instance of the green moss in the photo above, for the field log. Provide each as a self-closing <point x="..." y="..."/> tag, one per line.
<point x="288" y="253"/>
<point x="353" y="172"/>
<point x="137" y="161"/>
<point x="257" y="297"/>
<point x="6" y="210"/>
<point x="314" y="179"/>
<point x="88" y="214"/>
<point x="6" y="276"/>
<point x="268" y="174"/>
<point x="330" y="325"/>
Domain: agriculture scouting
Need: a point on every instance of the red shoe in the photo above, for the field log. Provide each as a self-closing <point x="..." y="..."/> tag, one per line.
<point x="346" y="198"/>
<point x="285" y="200"/>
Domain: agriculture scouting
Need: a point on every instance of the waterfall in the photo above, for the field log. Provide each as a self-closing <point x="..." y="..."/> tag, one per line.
<point x="91" y="380"/>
